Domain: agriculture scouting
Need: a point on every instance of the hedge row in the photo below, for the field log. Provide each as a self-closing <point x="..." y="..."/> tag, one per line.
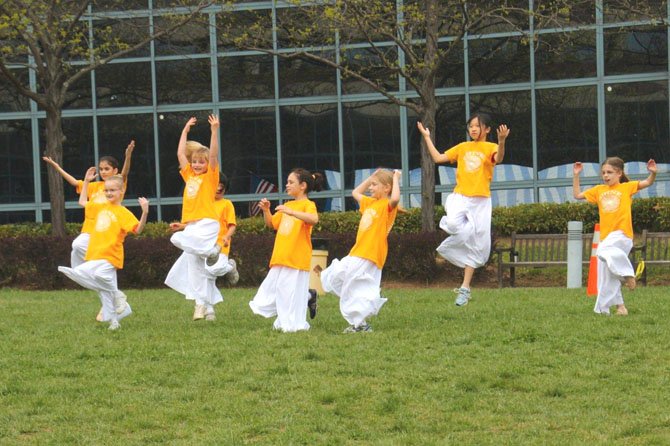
<point x="648" y="213"/>
<point x="32" y="262"/>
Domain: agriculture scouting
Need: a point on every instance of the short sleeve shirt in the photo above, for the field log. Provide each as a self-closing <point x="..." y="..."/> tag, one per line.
<point x="614" y="206"/>
<point x="474" y="169"/>
<point x="199" y="193"/>
<point x="293" y="243"/>
<point x="373" y="229"/>
<point x="112" y="223"/>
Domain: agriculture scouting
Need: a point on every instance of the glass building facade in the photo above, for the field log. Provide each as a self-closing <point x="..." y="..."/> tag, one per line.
<point x="603" y="94"/>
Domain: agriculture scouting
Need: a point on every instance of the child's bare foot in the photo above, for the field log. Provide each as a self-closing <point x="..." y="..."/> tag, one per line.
<point x="629" y="282"/>
<point x="317" y="269"/>
<point x="621" y="310"/>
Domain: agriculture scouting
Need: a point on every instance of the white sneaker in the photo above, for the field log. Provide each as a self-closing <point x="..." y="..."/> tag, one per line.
<point x="213" y="255"/>
<point x="114" y="325"/>
<point x="120" y="301"/>
<point x="233" y="275"/>
<point x="199" y="312"/>
<point x="125" y="312"/>
<point x="210" y="316"/>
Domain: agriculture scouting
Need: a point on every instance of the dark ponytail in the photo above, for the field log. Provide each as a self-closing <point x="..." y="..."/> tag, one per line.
<point x="314" y="181"/>
<point x="618" y="164"/>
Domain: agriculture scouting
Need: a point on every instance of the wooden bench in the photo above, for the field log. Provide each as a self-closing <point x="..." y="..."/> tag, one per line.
<point x="537" y="250"/>
<point x="653" y="248"/>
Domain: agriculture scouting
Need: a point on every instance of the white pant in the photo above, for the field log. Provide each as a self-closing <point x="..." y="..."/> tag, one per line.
<point x="100" y="276"/>
<point x="468" y="223"/>
<point x="613" y="266"/>
<point x="79" y="248"/>
<point x="356" y="282"/>
<point x="190" y="269"/>
<point x="284" y="293"/>
<point x="187" y="275"/>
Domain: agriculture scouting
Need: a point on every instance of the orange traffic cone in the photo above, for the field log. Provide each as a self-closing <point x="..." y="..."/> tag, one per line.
<point x="592" y="281"/>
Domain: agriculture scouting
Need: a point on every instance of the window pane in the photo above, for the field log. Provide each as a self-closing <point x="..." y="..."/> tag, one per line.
<point x="10" y="100"/>
<point x="246" y="77"/>
<point x="7" y="217"/>
<point x="114" y="90"/>
<point x="567" y="130"/>
<point x="551" y="15"/>
<point x="128" y="31"/>
<point x="183" y="81"/>
<point x="501" y="60"/>
<point x="114" y="135"/>
<point x="618" y="11"/>
<point x="16" y="163"/>
<point x="371" y="139"/>
<point x="637" y="121"/>
<point x="303" y="27"/>
<point x="191" y="38"/>
<point x="254" y="25"/>
<point x="561" y="56"/>
<point x="375" y="64"/>
<point x="636" y="50"/>
<point x="451" y="72"/>
<point x="79" y="94"/>
<point x="77" y="153"/>
<point x="299" y="77"/>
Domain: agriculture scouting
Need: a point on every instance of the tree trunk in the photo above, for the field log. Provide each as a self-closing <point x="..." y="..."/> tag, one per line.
<point x="54" y="149"/>
<point x="428" y="117"/>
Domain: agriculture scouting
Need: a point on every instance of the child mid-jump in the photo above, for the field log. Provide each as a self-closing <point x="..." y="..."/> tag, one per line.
<point x="199" y="167"/>
<point x="107" y="167"/>
<point x="357" y="277"/>
<point x="614" y="199"/>
<point x="223" y="266"/>
<point x="285" y="290"/>
<point x="468" y="208"/>
<point x="111" y="223"/>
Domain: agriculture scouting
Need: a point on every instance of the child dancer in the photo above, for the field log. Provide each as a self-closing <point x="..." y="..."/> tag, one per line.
<point x="285" y="291"/>
<point x="614" y="199"/>
<point x="104" y="255"/>
<point x="222" y="267"/>
<point x="357" y="277"/>
<point x="468" y="208"/>
<point x="107" y="167"/>
<point x="199" y="167"/>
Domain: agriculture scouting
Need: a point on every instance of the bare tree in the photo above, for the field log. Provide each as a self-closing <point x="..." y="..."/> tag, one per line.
<point x="53" y="39"/>
<point x="374" y="43"/>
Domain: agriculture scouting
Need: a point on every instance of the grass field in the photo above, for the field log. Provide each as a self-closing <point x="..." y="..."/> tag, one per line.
<point x="515" y="366"/>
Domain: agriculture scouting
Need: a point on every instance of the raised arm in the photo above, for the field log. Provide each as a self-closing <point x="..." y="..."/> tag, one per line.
<point x="394" y="199"/>
<point x="144" y="204"/>
<point x="651" y="167"/>
<point x="439" y="158"/>
<point x="125" y="170"/>
<point x="576" y="188"/>
<point x="88" y="177"/>
<point x="181" y="148"/>
<point x="214" y="141"/>
<point x="359" y="192"/>
<point x="503" y="133"/>
<point x="69" y="178"/>
<point x="264" y="204"/>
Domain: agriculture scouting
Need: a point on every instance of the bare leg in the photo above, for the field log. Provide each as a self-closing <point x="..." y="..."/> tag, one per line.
<point x="468" y="272"/>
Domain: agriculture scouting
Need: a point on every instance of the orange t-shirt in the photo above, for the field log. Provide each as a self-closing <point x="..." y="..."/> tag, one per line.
<point x="112" y="223"/>
<point x="614" y="206"/>
<point x="474" y="170"/>
<point x="293" y="243"/>
<point x="376" y="223"/>
<point x="95" y="192"/>
<point x="226" y="212"/>
<point x="199" y="194"/>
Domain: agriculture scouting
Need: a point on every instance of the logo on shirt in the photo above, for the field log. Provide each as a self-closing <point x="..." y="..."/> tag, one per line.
<point x="104" y="220"/>
<point x="369" y="216"/>
<point x="286" y="225"/>
<point x="610" y="201"/>
<point x="473" y="161"/>
<point x="193" y="186"/>
<point x="99" y="197"/>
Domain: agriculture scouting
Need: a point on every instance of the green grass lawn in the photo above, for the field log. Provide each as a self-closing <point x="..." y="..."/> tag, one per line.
<point x="515" y="366"/>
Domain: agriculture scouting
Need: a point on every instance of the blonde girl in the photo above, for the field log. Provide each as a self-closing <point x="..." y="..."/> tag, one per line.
<point x="356" y="279"/>
<point x="285" y="290"/>
<point x="111" y="223"/>
<point x="614" y="200"/>
<point x="468" y="208"/>
<point x="199" y="167"/>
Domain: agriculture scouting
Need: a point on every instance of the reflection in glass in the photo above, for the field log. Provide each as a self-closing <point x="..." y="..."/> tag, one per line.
<point x="636" y="50"/>
<point x="618" y="11"/>
<point x="16" y="217"/>
<point x="499" y="60"/>
<point x="637" y="121"/>
<point x="567" y="127"/>
<point x="113" y="89"/>
<point x="191" y="38"/>
<point x="79" y="94"/>
<point x="246" y="77"/>
<point x="253" y="26"/>
<point x="303" y="27"/>
<point x="301" y="77"/>
<point x="16" y="162"/>
<point x="10" y="100"/>
<point x="451" y="72"/>
<point x="183" y="81"/>
<point x="77" y="153"/>
<point x="375" y="64"/>
<point x="114" y="135"/>
<point x="127" y="31"/>
<point x="561" y="56"/>
<point x="371" y="139"/>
